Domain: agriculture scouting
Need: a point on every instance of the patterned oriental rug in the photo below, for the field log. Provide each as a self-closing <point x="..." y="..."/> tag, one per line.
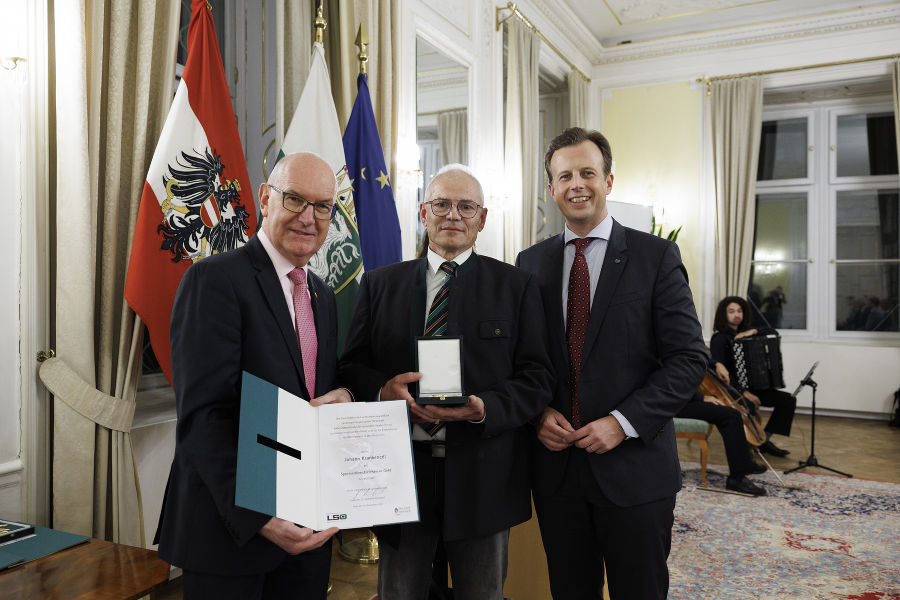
<point x="824" y="537"/>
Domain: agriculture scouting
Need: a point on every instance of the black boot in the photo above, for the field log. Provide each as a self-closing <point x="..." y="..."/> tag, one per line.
<point x="744" y="486"/>
<point x="769" y="448"/>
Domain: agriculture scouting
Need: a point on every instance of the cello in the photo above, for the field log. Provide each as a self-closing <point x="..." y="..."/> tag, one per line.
<point x="713" y="386"/>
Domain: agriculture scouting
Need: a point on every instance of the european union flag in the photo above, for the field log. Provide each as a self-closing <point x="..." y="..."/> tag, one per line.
<point x="376" y="213"/>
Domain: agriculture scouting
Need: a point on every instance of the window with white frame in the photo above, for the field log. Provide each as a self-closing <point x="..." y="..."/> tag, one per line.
<point x="826" y="260"/>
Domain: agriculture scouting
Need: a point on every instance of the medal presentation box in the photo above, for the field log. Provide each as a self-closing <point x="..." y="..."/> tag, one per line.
<point x="439" y="359"/>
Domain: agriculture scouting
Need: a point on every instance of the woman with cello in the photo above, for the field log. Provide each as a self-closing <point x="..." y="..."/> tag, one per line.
<point x="713" y="404"/>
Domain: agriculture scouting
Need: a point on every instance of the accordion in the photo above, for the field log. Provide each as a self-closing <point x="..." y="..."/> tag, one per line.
<point x="757" y="362"/>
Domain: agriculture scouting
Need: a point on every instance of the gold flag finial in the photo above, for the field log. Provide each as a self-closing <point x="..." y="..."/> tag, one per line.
<point x="362" y="40"/>
<point x="320" y="22"/>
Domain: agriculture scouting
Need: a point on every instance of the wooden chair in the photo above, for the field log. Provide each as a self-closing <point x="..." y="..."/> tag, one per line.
<point x="695" y="429"/>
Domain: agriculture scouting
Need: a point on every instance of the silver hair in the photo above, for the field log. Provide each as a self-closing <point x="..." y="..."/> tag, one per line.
<point x="282" y="165"/>
<point x="456" y="168"/>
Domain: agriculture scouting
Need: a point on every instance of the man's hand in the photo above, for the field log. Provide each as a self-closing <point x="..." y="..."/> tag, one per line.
<point x="553" y="430"/>
<point x="397" y="388"/>
<point x="292" y="538"/>
<point x="722" y="372"/>
<point x="333" y="397"/>
<point x="598" y="436"/>
<point x="471" y="411"/>
<point x="752" y="398"/>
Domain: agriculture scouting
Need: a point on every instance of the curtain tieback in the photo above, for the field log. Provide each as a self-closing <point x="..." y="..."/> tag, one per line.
<point x="67" y="385"/>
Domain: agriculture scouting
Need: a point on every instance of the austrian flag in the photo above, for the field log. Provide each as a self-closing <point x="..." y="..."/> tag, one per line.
<point x="196" y="200"/>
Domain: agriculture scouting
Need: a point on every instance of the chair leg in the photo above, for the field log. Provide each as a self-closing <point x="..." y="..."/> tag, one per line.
<point x="704" y="456"/>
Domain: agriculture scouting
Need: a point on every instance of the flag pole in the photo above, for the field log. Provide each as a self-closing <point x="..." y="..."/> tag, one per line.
<point x="362" y="40"/>
<point x="320" y="22"/>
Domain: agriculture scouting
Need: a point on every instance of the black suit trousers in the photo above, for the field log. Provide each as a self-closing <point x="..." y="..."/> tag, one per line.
<point x="728" y="421"/>
<point x="783" y="406"/>
<point x="580" y="527"/>
<point x="302" y="576"/>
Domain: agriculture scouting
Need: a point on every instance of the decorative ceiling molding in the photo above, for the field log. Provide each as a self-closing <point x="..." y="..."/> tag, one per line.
<point x="570" y="28"/>
<point x="630" y="12"/>
<point x="884" y="16"/>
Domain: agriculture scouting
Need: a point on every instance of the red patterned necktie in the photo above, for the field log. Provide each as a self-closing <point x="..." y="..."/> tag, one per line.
<point x="306" y="328"/>
<point x="578" y="312"/>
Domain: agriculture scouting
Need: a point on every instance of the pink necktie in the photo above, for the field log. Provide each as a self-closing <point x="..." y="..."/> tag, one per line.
<point x="306" y="328"/>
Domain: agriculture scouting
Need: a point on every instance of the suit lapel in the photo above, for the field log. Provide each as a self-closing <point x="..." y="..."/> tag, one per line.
<point x="551" y="290"/>
<point x="613" y="265"/>
<point x="274" y="295"/>
<point x="417" y="300"/>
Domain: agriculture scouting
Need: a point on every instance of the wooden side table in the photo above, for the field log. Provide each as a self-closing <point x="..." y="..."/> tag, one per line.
<point x="96" y="569"/>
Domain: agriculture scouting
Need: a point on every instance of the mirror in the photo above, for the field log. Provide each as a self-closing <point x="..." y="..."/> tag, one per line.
<point x="442" y="102"/>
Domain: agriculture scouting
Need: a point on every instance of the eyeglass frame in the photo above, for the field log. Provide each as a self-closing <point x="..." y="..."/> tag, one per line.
<point x="305" y="206"/>
<point x="452" y="206"/>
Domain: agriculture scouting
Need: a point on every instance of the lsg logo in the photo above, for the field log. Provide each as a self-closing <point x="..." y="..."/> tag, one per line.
<point x="336" y="517"/>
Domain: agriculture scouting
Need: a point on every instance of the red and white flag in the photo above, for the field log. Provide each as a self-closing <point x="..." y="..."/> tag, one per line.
<point x="196" y="199"/>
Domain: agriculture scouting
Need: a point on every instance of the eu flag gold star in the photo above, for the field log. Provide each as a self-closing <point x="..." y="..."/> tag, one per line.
<point x="382" y="179"/>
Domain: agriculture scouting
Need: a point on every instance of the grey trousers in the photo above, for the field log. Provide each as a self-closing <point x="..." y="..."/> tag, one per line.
<point x="477" y="565"/>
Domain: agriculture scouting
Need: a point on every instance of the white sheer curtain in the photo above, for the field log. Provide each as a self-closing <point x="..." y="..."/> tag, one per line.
<point x="115" y="66"/>
<point x="522" y="143"/>
<point x="736" y="115"/>
<point x="453" y="133"/>
<point x="578" y="100"/>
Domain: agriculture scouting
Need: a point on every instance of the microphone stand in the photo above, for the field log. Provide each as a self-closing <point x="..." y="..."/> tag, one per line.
<point x="811" y="461"/>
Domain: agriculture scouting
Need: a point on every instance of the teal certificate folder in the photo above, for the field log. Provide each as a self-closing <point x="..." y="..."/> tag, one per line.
<point x="345" y="465"/>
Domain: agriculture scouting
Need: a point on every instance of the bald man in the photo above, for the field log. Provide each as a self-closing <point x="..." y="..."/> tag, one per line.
<point x="472" y="474"/>
<point x="258" y="309"/>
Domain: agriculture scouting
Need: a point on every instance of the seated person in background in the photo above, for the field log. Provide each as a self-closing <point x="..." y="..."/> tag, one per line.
<point x="728" y="421"/>
<point x="729" y="325"/>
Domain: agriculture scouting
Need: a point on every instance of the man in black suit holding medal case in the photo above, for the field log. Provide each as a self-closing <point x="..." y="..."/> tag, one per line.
<point x="472" y="473"/>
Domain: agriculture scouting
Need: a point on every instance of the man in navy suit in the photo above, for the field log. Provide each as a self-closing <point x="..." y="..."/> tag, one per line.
<point x="247" y="310"/>
<point x="472" y="474"/>
<point x="627" y="353"/>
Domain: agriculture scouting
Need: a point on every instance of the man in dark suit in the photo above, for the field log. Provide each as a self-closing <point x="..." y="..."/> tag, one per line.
<point x="472" y="474"/>
<point x="258" y="309"/>
<point x="627" y="353"/>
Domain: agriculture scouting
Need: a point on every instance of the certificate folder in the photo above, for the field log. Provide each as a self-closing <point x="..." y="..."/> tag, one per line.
<point x="345" y="465"/>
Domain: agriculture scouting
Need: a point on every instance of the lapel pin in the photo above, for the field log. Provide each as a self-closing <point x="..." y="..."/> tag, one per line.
<point x="618" y="260"/>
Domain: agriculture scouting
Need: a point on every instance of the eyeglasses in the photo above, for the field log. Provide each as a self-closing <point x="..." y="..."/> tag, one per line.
<point x="464" y="208"/>
<point x="297" y="204"/>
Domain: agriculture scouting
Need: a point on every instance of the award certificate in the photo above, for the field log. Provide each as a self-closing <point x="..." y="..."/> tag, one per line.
<point x="345" y="465"/>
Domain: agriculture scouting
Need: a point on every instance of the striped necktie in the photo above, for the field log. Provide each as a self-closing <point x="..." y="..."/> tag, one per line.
<point x="436" y="323"/>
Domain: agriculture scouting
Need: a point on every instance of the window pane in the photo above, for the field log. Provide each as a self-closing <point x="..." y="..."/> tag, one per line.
<point x="866" y="145"/>
<point x="777" y="294"/>
<point x="780" y="227"/>
<point x="867" y="224"/>
<point x="867" y="297"/>
<point x="782" y="150"/>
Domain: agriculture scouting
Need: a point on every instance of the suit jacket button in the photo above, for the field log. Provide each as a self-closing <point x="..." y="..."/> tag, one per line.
<point x="497" y="332"/>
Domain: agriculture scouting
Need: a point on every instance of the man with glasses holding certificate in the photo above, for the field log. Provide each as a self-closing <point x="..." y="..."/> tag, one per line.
<point x="258" y="309"/>
<point x="462" y="339"/>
